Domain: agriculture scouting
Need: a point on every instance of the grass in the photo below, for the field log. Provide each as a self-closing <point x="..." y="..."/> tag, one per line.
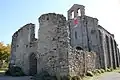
<point x="88" y="78"/>
<point x="2" y="71"/>
<point x="116" y="70"/>
<point x="102" y="74"/>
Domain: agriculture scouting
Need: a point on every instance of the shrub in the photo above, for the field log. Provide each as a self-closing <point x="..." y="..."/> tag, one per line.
<point x="108" y="70"/>
<point x="17" y="74"/>
<point x="89" y="73"/>
<point x="98" y="71"/>
<point x="94" y="72"/>
<point x="111" y="69"/>
<point x="116" y="68"/>
<point x="75" y="78"/>
<point x="5" y="65"/>
<point x="44" y="75"/>
<point x="65" y="77"/>
<point x="14" y="71"/>
<point x="102" y="70"/>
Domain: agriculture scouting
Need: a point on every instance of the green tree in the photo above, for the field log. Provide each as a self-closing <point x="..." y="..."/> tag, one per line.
<point x="4" y="53"/>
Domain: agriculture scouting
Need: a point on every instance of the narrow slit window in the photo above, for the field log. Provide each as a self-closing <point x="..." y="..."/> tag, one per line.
<point x="75" y="35"/>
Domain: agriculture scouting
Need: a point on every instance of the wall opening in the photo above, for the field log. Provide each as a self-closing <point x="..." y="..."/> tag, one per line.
<point x="100" y="36"/>
<point x="17" y="46"/>
<point x="47" y="18"/>
<point x="75" y="35"/>
<point x="79" y="48"/>
<point x="79" y="12"/>
<point x="72" y="14"/>
<point x="32" y="64"/>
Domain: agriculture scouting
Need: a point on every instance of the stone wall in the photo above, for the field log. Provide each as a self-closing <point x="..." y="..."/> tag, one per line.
<point x="109" y="49"/>
<point x="50" y="52"/>
<point x="22" y="46"/>
<point x="81" y="61"/>
<point x="86" y="35"/>
<point x="53" y="44"/>
<point x="90" y="36"/>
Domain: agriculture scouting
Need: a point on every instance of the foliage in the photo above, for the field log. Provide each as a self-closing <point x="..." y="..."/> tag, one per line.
<point x="15" y="71"/>
<point x="102" y="70"/>
<point x="4" y="53"/>
<point x="112" y="69"/>
<point x="94" y="72"/>
<point x="75" y="78"/>
<point x="66" y="77"/>
<point x="98" y="71"/>
<point x="109" y="70"/>
<point x="44" y="75"/>
<point x="89" y="73"/>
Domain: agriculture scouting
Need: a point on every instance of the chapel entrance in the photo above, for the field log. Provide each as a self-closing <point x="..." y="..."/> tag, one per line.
<point x="32" y="64"/>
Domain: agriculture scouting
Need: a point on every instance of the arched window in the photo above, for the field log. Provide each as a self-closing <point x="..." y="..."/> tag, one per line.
<point x="79" y="48"/>
<point x="79" y="12"/>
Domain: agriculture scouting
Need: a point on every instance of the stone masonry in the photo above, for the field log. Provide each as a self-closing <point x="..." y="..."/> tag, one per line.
<point x="23" y="44"/>
<point x="90" y="36"/>
<point x="64" y="47"/>
<point x="53" y="43"/>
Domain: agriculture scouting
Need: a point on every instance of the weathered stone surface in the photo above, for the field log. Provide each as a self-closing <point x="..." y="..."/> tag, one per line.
<point x="22" y="47"/>
<point x="90" y="36"/>
<point x="64" y="47"/>
<point x="81" y="61"/>
<point x="53" y="44"/>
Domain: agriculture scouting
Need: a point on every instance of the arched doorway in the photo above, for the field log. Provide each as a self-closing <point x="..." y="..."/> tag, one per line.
<point x="32" y="64"/>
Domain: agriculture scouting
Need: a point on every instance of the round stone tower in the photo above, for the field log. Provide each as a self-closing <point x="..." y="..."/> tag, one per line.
<point x="53" y="44"/>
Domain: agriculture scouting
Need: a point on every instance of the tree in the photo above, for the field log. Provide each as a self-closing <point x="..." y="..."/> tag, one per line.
<point x="4" y="53"/>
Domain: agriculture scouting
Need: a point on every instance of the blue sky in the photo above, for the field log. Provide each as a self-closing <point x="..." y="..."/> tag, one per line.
<point x="16" y="13"/>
